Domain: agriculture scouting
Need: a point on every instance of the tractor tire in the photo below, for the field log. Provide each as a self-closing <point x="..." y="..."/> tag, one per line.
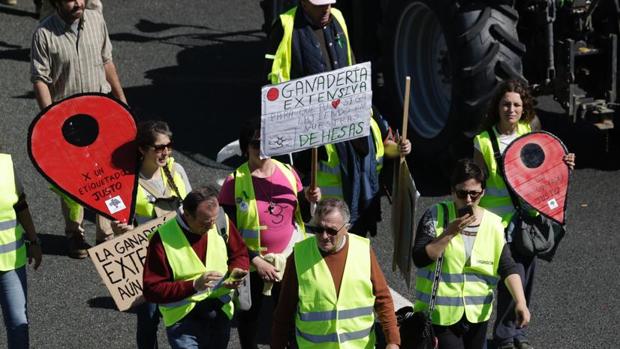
<point x="456" y="56"/>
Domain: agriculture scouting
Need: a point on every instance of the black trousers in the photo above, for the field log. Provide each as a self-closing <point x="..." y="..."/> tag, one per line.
<point x="249" y="320"/>
<point x="462" y="335"/>
<point x="505" y="330"/>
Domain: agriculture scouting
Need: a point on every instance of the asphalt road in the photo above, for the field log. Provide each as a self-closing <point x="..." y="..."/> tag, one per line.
<point x="198" y="65"/>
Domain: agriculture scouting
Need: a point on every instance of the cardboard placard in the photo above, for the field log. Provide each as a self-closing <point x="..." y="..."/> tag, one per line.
<point x="84" y="145"/>
<point x="319" y="109"/>
<point x="120" y="262"/>
<point x="404" y="205"/>
<point x="535" y="170"/>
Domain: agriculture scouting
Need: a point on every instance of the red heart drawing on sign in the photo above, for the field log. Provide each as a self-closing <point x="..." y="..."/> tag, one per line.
<point x="335" y="103"/>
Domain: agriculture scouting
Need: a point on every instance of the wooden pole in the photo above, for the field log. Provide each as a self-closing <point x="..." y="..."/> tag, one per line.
<point x="313" y="173"/>
<point x="405" y="112"/>
<point x="398" y="195"/>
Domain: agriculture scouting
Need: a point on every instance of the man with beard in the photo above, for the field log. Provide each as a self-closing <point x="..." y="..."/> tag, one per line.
<point x="72" y="53"/>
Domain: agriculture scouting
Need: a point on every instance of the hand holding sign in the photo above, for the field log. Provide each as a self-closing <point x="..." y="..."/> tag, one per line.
<point x="85" y="146"/>
<point x="535" y="169"/>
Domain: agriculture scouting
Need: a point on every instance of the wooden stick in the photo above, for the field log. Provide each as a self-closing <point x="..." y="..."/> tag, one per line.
<point x="314" y="167"/>
<point x="313" y="173"/>
<point x="405" y="112"/>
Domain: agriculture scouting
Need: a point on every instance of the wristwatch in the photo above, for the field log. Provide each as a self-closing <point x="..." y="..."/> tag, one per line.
<point x="36" y="241"/>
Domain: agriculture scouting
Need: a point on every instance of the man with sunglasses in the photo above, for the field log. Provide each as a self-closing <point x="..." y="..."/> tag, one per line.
<point x="332" y="287"/>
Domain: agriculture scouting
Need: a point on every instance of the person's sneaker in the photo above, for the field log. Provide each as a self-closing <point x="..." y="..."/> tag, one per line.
<point x="78" y="247"/>
<point x="524" y="345"/>
<point x="9" y="2"/>
<point x="506" y="346"/>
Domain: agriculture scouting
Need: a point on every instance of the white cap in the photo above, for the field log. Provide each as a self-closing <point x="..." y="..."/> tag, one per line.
<point x="322" y="2"/>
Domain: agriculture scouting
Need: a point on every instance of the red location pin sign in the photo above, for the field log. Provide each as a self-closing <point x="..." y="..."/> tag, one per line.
<point x="84" y="145"/>
<point x="536" y="171"/>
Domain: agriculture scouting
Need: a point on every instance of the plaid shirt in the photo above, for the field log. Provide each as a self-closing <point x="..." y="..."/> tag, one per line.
<point x="69" y="62"/>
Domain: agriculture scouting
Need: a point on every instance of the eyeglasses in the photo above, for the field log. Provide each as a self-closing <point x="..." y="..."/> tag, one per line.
<point x="255" y="143"/>
<point x="462" y="194"/>
<point x="160" y="147"/>
<point x="320" y="229"/>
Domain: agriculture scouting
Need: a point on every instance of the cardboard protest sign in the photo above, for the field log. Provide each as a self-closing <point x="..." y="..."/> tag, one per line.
<point x="315" y="110"/>
<point x="120" y="262"/>
<point x="535" y="170"/>
<point x="84" y="145"/>
<point x="403" y="219"/>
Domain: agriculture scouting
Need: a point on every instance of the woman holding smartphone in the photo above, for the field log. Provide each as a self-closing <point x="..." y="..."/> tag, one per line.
<point x="475" y="258"/>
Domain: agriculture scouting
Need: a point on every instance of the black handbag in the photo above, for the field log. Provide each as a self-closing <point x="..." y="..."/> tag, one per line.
<point x="416" y="328"/>
<point x="530" y="236"/>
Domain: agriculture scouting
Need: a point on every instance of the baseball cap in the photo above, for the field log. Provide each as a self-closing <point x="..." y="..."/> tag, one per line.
<point x="322" y="2"/>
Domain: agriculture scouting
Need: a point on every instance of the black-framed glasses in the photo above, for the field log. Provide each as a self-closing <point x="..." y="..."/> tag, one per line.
<point x="317" y="229"/>
<point x="462" y="194"/>
<point x="160" y="147"/>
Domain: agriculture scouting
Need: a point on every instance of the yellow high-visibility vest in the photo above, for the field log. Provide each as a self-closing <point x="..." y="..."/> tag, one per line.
<point x="328" y="176"/>
<point x="465" y="287"/>
<point x="12" y="248"/>
<point x="281" y="67"/>
<point x="186" y="265"/>
<point x="496" y="197"/>
<point x="325" y="319"/>
<point x="145" y="208"/>
<point x="248" y="222"/>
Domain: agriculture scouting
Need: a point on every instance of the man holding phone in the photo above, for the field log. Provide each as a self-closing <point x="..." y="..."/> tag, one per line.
<point x="185" y="271"/>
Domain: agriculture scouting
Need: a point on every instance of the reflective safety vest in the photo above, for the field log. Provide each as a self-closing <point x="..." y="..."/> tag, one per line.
<point x="248" y="222"/>
<point x="281" y="67"/>
<point x="328" y="320"/>
<point x="465" y="286"/>
<point x="12" y="248"/>
<point x="496" y="197"/>
<point x="144" y="206"/>
<point x="186" y="265"/>
<point x="328" y="176"/>
<point x="75" y="209"/>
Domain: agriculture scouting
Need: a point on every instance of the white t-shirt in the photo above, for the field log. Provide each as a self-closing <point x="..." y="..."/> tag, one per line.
<point x="503" y="140"/>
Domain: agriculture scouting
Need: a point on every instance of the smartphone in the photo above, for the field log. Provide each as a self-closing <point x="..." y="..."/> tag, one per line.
<point x="465" y="210"/>
<point x="237" y="274"/>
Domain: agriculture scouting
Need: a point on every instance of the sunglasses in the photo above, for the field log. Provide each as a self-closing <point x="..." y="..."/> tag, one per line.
<point x="160" y="147"/>
<point x="462" y="194"/>
<point x="320" y="229"/>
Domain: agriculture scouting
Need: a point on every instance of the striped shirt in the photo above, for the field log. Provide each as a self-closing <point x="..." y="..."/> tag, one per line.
<point x="70" y="62"/>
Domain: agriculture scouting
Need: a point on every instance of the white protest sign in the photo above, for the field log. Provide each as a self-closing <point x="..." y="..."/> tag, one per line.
<point x="315" y="110"/>
<point x="120" y="262"/>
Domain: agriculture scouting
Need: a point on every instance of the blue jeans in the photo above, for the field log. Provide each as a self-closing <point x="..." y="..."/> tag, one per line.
<point x="205" y="327"/>
<point x="13" y="293"/>
<point x="148" y="322"/>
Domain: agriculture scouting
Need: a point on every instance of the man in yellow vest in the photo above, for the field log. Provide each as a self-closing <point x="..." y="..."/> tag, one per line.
<point x="193" y="263"/>
<point x="309" y="39"/>
<point x="332" y="288"/>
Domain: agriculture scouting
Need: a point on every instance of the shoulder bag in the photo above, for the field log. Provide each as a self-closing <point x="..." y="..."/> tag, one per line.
<point x="530" y="236"/>
<point x="416" y="328"/>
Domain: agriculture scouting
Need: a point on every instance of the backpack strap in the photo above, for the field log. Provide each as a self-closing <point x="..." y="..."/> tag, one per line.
<point x="500" y="165"/>
<point x="221" y="224"/>
<point x="437" y="274"/>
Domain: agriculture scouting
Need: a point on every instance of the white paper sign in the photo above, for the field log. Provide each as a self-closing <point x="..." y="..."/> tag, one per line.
<point x="315" y="110"/>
